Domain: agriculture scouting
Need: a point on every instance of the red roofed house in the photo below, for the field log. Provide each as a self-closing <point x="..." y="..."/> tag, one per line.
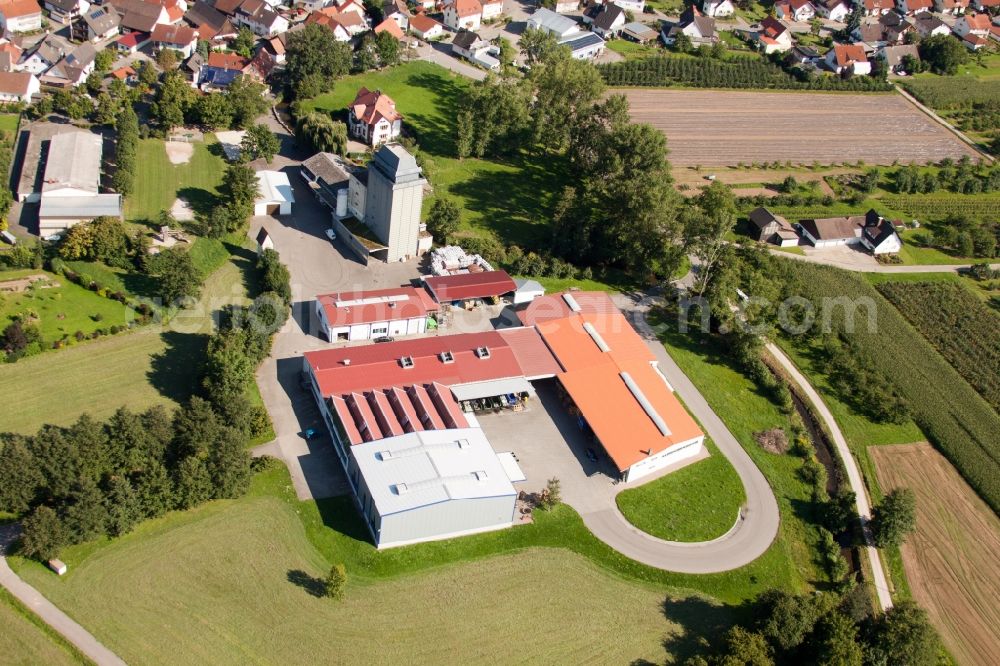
<point x="425" y="27"/>
<point x="469" y="288"/>
<point x="879" y="7"/>
<point x="909" y="7"/>
<point x="848" y="57"/>
<point x="18" y="86"/>
<point x="794" y="10"/>
<point x="131" y="42"/>
<point x="973" y="24"/>
<point x="373" y="117"/>
<point x="390" y="26"/>
<point x="10" y="56"/>
<point x="126" y="75"/>
<point x="773" y="36"/>
<point x="20" y="15"/>
<point x="179" y="38"/>
<point x="463" y="14"/>
<point x="366" y="315"/>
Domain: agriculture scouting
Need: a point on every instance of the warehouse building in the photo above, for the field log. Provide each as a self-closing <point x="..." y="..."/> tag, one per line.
<point x="70" y="191"/>
<point x="613" y="380"/>
<point x="367" y="315"/>
<point x="472" y="288"/>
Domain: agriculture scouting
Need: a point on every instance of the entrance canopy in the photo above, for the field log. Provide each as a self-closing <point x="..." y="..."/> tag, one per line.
<point x="492" y="388"/>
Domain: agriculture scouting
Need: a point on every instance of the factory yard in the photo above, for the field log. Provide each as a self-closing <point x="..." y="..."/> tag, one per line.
<point x="723" y="128"/>
<point x="952" y="561"/>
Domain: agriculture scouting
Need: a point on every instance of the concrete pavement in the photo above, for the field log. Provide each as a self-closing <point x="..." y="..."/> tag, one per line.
<point x="79" y="637"/>
<point x="863" y="503"/>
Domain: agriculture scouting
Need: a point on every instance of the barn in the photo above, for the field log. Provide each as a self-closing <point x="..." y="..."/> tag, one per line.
<point x="275" y="195"/>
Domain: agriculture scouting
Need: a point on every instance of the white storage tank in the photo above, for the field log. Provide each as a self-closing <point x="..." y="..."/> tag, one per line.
<point x="341" y="203"/>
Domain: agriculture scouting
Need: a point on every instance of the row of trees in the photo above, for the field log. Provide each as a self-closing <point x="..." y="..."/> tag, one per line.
<point x="962" y="178"/>
<point x="126" y="148"/>
<point x="176" y="103"/>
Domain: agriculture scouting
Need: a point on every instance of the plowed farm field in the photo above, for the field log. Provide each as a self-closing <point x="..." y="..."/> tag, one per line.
<point x="723" y="128"/>
<point x="952" y="561"/>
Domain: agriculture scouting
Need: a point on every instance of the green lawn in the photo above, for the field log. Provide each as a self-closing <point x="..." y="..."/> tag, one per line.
<point x="26" y="640"/>
<point x="232" y="582"/>
<point x="696" y="503"/>
<point x="789" y="562"/>
<point x="158" y="182"/>
<point x="511" y="197"/>
<point x="8" y="122"/>
<point x="153" y="365"/>
<point x="60" y="311"/>
<point x="634" y="51"/>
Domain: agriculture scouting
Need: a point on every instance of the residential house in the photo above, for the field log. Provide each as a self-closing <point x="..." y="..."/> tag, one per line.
<point x="848" y="57"/>
<point x="771" y="228"/>
<point x="140" y="16"/>
<point x="425" y="27"/>
<point x="700" y="29"/>
<point x="73" y="69"/>
<point x="341" y="25"/>
<point x="20" y="16"/>
<point x="895" y="28"/>
<point x="914" y="7"/>
<point x="179" y="38"/>
<point x="398" y="12"/>
<point x="102" y="23"/>
<point x="553" y="23"/>
<point x="373" y="117"/>
<point x="835" y="10"/>
<point x="276" y="47"/>
<point x="492" y="9"/>
<point x="46" y="53"/>
<point x="260" y="18"/>
<point x="131" y="42"/>
<point x="928" y="25"/>
<point x="350" y="7"/>
<point x="635" y="6"/>
<point x="878" y="7"/>
<point x="893" y="56"/>
<point x="585" y="46"/>
<point x="973" y="24"/>
<point x="718" y="8"/>
<point x="463" y="15"/>
<point x="953" y="7"/>
<point x="794" y="10"/>
<point x="974" y="42"/>
<point x="210" y="23"/>
<point x="65" y="11"/>
<point x="391" y="27"/>
<point x="126" y="75"/>
<point x="474" y="48"/>
<point x="609" y="21"/>
<point x="18" y="87"/>
<point x="803" y="55"/>
<point x="567" y="6"/>
<point x="220" y="70"/>
<point x="872" y="231"/>
<point x="773" y="36"/>
<point x="10" y="56"/>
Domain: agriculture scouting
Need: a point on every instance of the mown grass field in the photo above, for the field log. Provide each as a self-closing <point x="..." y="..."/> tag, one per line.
<point x="8" y="123"/>
<point x="234" y="582"/>
<point x="61" y="309"/>
<point x="26" y="640"/>
<point x="511" y="197"/>
<point x="158" y="182"/>
<point x="695" y="503"/>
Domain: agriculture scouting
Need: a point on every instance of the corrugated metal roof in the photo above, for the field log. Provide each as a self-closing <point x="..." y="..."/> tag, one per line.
<point x="535" y="359"/>
<point x="366" y="307"/>
<point x="486" y="284"/>
<point x="74" y="161"/>
<point x="491" y="388"/>
<point x="99" y="205"/>
<point x="423" y="468"/>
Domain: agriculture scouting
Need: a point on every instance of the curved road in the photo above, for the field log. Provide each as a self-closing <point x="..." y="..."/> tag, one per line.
<point x="752" y="534"/>
<point x="864" y="507"/>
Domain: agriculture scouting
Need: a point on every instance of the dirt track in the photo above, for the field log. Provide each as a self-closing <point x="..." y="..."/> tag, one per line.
<point x="718" y="128"/>
<point x="953" y="559"/>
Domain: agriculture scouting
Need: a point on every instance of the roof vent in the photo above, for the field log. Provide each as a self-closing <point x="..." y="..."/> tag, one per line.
<point x="401" y="489"/>
<point x="447" y="357"/>
<point x="596" y="337"/>
<point x="406" y="362"/>
<point x="392" y="304"/>
<point x="483" y="352"/>
<point x="480" y="475"/>
<point x="571" y="302"/>
<point x="463" y="443"/>
<point x="385" y="455"/>
<point x="346" y="361"/>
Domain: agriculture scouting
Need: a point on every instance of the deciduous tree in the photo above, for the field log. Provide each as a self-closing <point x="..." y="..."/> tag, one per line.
<point x="443" y="219"/>
<point x="259" y="143"/>
<point x="894" y="518"/>
<point x="43" y="534"/>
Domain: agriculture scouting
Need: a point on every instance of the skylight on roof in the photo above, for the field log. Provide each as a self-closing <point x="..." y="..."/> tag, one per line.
<point x="447" y="357"/>
<point x="406" y="362"/>
<point x="483" y="352"/>
<point x="646" y="405"/>
<point x="596" y="337"/>
<point x="571" y="302"/>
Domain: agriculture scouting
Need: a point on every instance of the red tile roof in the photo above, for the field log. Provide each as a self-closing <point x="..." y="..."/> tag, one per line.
<point x="486" y="284"/>
<point x="535" y="359"/>
<point x="179" y="35"/>
<point x="556" y="306"/>
<point x="422" y="23"/>
<point x="18" y="8"/>
<point x="848" y="54"/>
<point x="465" y="8"/>
<point x="978" y="22"/>
<point x="227" y="60"/>
<point x="15" y="83"/>
<point x="366" y="307"/>
<point x="390" y="26"/>
<point x="370" y="106"/>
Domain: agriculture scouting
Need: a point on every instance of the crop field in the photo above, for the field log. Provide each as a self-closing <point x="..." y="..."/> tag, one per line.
<point x="953" y="559"/>
<point x="722" y="128"/>
<point x="959" y="325"/>
<point x="25" y="640"/>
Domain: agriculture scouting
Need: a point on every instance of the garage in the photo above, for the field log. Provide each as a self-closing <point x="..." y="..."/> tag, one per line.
<point x="275" y="195"/>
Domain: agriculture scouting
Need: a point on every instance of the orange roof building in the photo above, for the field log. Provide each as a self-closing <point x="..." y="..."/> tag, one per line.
<point x="612" y="377"/>
<point x="390" y="26"/>
<point x="373" y="117"/>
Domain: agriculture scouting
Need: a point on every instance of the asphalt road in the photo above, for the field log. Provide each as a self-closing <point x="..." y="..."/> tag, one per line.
<point x="864" y="507"/>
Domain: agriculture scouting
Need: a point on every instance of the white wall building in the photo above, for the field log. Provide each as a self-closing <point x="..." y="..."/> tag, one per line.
<point x="366" y="315"/>
<point x="275" y="194"/>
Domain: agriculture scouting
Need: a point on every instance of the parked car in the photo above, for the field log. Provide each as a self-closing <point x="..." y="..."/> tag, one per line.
<point x="331" y="234"/>
<point x="384" y="338"/>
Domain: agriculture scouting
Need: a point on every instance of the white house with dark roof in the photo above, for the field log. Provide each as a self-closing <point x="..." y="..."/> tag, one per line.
<point x="872" y="231"/>
<point x="699" y="29"/>
<point x="608" y="21"/>
<point x="835" y="10"/>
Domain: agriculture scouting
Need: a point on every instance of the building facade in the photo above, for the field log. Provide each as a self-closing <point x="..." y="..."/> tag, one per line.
<point x="394" y="196"/>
